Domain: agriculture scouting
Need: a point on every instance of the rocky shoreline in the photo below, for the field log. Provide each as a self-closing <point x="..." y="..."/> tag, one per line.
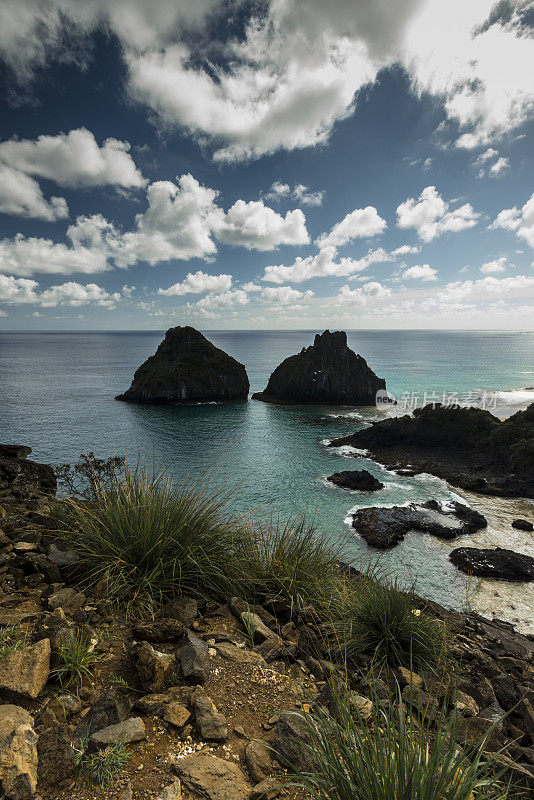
<point x="204" y="706"/>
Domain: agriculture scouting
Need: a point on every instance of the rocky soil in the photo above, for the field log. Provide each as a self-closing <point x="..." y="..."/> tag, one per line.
<point x="202" y="706"/>
<point x="326" y="372"/>
<point x="187" y="368"/>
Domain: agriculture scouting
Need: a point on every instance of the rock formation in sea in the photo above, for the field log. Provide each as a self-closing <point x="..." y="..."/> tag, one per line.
<point x="384" y="528"/>
<point x="326" y="372"/>
<point x="356" y="479"/>
<point x="468" y="447"/>
<point x="498" y="564"/>
<point x="187" y="368"/>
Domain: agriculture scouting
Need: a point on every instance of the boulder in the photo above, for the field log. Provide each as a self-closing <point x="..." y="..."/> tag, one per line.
<point x="18" y="753"/>
<point x="195" y="658"/>
<point x="523" y="525"/>
<point x="57" y="753"/>
<point x="258" y="757"/>
<point x="210" y="723"/>
<point x="386" y="527"/>
<point x="326" y="372"/>
<point x="239" y="655"/>
<point x="152" y="667"/>
<point x="162" y="630"/>
<point x="356" y="479"/>
<point x="176" y="714"/>
<point x="67" y="599"/>
<point x="268" y="789"/>
<point x="498" y="564"/>
<point x="213" y="777"/>
<point x="187" y="368"/>
<point x="292" y="742"/>
<point x="184" y="609"/>
<point x="26" y="671"/>
<point x="113" y="707"/>
<point x="131" y="730"/>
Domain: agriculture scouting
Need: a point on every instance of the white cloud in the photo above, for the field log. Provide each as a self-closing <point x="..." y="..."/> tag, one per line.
<point x="497" y="265"/>
<point x="520" y="220"/>
<point x="73" y="159"/>
<point x="363" y="295"/>
<point x="487" y="287"/>
<point x="251" y="287"/>
<point x="423" y="272"/>
<point x="27" y="256"/>
<point x="358" y="224"/>
<point x="22" y="195"/>
<point x="22" y="290"/>
<point x="430" y="216"/>
<point x="323" y="264"/>
<point x="17" y="290"/>
<point x="198" y="283"/>
<point x="234" y="297"/>
<point x="405" y="250"/>
<point x="299" y="192"/>
<point x="257" y="227"/>
<point x="283" y="295"/>
<point x="501" y="165"/>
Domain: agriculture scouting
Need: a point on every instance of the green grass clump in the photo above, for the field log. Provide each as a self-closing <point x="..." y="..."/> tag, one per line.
<point x="376" y="618"/>
<point x="76" y="660"/>
<point x="393" y="757"/>
<point x="103" y="766"/>
<point x="291" y="561"/>
<point x="151" y="538"/>
<point x="12" y="638"/>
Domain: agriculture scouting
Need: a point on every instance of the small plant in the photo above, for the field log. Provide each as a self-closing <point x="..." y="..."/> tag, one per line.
<point x="76" y="660"/>
<point x="89" y="475"/>
<point x="102" y="767"/>
<point x="249" y="625"/>
<point x="380" y="620"/>
<point x="12" y="638"/>
<point x="393" y="757"/>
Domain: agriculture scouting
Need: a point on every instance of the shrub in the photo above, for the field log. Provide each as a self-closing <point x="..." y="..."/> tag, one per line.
<point x="377" y="619"/>
<point x="102" y="767"/>
<point x="89" y="475"/>
<point x="150" y="538"/>
<point x="76" y="660"/>
<point x="393" y="757"/>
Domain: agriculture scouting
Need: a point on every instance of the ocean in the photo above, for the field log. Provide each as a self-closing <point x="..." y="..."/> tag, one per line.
<point x="57" y="396"/>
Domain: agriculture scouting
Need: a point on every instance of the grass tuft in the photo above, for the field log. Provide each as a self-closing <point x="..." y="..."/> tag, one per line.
<point x="12" y="638"/>
<point x="76" y="660"/>
<point x="103" y="766"/>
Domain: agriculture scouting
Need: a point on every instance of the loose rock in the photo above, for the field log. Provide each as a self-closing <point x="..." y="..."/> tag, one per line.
<point x="131" y="730"/>
<point x="26" y="671"/>
<point x="213" y="777"/>
<point x="211" y="724"/>
<point x="195" y="658"/>
<point x="18" y="753"/>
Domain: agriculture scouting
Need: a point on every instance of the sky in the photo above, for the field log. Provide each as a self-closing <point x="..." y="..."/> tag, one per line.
<point x="276" y="164"/>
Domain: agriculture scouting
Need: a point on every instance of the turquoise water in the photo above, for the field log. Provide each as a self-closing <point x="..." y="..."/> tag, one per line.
<point x="57" y="390"/>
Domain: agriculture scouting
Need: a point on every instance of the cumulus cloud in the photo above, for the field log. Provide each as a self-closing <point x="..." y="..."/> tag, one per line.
<point x="363" y="295"/>
<point x="422" y="272"/>
<point x="251" y="287"/>
<point x="73" y="159"/>
<point x="30" y="255"/>
<point x="324" y="264"/>
<point x="283" y="295"/>
<point x="258" y="227"/>
<point x="519" y="220"/>
<point x="299" y="192"/>
<point x="497" y="265"/>
<point x="500" y="166"/>
<point x="16" y="291"/>
<point x="405" y="250"/>
<point x="430" y="216"/>
<point x="234" y="297"/>
<point x="198" y="283"/>
<point x="22" y="195"/>
<point x="358" y="224"/>
<point x="487" y="287"/>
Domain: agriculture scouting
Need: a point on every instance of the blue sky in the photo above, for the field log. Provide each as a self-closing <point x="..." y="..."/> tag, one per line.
<point x="276" y="164"/>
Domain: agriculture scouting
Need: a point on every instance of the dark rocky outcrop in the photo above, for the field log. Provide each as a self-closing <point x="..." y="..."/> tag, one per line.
<point x="468" y="447"/>
<point x="498" y="564"/>
<point x="187" y="368"/>
<point x="386" y="527"/>
<point x="522" y="525"/>
<point x="356" y="479"/>
<point x="327" y="372"/>
<point x="21" y="479"/>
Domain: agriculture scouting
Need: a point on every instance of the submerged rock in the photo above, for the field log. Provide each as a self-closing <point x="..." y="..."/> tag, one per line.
<point x="326" y="372"/>
<point x="187" y="368"/>
<point x="386" y="527"/>
<point x="358" y="479"/>
<point x="498" y="564"/>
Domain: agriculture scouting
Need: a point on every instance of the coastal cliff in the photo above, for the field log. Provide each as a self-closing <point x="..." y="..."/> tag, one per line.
<point x="326" y="372"/>
<point x="187" y="368"/>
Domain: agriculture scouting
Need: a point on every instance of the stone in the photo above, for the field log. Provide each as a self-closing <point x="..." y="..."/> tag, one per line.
<point x="57" y="755"/>
<point x="362" y="705"/>
<point x="497" y="564"/>
<point x="406" y="677"/>
<point x="465" y="705"/>
<point x="385" y="527"/>
<point x="260" y="631"/>
<point x="523" y="525"/>
<point x="21" y="479"/>
<point x="184" y="609"/>
<point x="163" y="630"/>
<point x="266" y="789"/>
<point x="259" y="760"/>
<point x="171" y="792"/>
<point x="131" y="730"/>
<point x="213" y="777"/>
<point x="471" y="731"/>
<point x="18" y="753"/>
<point x="292" y="742"/>
<point x="326" y="372"/>
<point x="113" y="707"/>
<point x="238" y="655"/>
<point x="26" y="671"/>
<point x="155" y="704"/>
<point x="176" y="714"/>
<point x="152" y="667"/>
<point x="423" y="701"/>
<point x="356" y="479"/>
<point x="187" y="368"/>
<point x="210" y="723"/>
<point x="195" y="658"/>
<point x="62" y="558"/>
<point x="67" y="599"/>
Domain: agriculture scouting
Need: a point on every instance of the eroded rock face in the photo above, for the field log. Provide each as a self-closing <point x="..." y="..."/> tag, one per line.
<point x="21" y="479"/>
<point x="385" y="527"/>
<point x="187" y="368"/>
<point x="498" y="563"/>
<point x="327" y="372"/>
